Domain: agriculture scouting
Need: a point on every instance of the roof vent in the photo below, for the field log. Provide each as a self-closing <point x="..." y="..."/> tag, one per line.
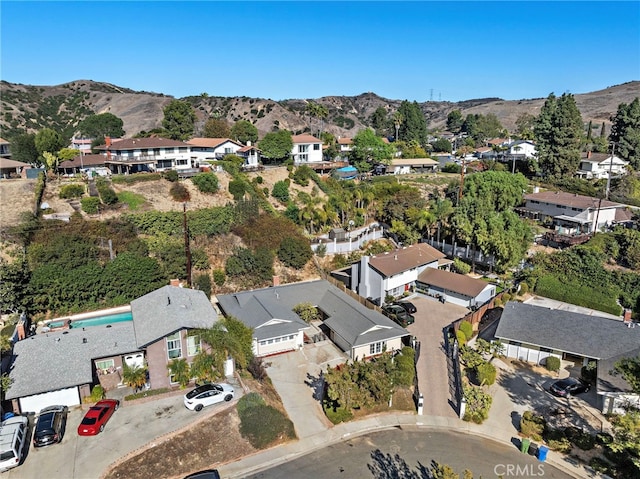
<point x="108" y="325"/>
<point x="84" y="340"/>
<point x="65" y="332"/>
<point x="57" y="340"/>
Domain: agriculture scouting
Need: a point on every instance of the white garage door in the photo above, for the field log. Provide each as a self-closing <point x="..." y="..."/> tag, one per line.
<point x="64" y="397"/>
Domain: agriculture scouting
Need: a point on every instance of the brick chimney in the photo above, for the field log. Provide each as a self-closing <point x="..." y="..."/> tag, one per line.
<point x="276" y="280"/>
<point x="174" y="282"/>
<point x="588" y="154"/>
<point x="626" y="315"/>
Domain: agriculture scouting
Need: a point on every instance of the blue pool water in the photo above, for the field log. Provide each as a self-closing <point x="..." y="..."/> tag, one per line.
<point x="100" y="320"/>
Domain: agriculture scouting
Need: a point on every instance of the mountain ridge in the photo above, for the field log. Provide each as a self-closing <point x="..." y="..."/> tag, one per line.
<point x="62" y="107"/>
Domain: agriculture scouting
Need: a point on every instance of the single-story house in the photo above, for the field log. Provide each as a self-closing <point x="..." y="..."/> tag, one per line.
<point x="61" y="367"/>
<point x="403" y="166"/>
<point x="81" y="162"/>
<point x="394" y="272"/>
<point x="357" y="330"/>
<point x="11" y="168"/>
<point x="455" y="288"/>
<point x="533" y="333"/>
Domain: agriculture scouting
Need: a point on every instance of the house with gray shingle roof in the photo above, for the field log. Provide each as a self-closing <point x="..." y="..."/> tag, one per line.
<point x="357" y="330"/>
<point x="533" y="333"/>
<point x="61" y="367"/>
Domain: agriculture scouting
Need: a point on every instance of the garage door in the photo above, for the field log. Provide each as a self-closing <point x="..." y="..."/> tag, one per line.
<point x="65" y="397"/>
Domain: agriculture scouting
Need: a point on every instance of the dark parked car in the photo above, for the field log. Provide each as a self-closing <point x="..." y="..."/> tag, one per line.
<point x="408" y="306"/>
<point x="209" y="474"/>
<point x="568" y="387"/>
<point x="50" y="426"/>
<point x="398" y="314"/>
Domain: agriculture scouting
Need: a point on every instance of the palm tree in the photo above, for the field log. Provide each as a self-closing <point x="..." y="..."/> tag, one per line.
<point x="398" y="119"/>
<point x="203" y="368"/>
<point x="134" y="376"/>
<point x="180" y="370"/>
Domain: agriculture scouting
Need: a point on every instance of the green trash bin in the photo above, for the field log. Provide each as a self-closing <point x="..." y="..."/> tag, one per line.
<point x="524" y="445"/>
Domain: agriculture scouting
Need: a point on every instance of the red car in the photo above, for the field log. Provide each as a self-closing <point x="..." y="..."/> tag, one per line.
<point x="97" y="416"/>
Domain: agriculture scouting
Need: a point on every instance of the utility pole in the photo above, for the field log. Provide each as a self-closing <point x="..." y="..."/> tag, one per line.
<point x="606" y="193"/>
<point x="187" y="249"/>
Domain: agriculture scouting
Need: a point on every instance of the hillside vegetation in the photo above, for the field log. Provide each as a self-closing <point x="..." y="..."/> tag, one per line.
<point x="62" y="107"/>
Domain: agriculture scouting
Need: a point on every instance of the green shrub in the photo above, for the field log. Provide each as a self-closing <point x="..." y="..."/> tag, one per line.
<point x="532" y="426"/>
<point x="202" y="282"/>
<point x="259" y="180"/>
<point x="405" y="367"/>
<point x="295" y="252"/>
<point x="179" y="192"/>
<point x="486" y="374"/>
<point x="552" y="363"/>
<point x="460" y="266"/>
<point x="461" y="337"/>
<point x="237" y="188"/>
<point x="263" y="425"/>
<point x="337" y="414"/>
<point x="583" y="440"/>
<point x="321" y="250"/>
<point x="281" y="191"/>
<point x="451" y="168"/>
<point x="524" y="288"/>
<point x="250" y="400"/>
<point x="307" y="312"/>
<point x="599" y="464"/>
<point x="219" y="277"/>
<point x="506" y="297"/>
<point x="90" y="205"/>
<point x="75" y="190"/>
<point x="467" y="329"/>
<point x="171" y="175"/>
<point x="206" y="182"/>
<point x="132" y="200"/>
<point x="135" y="178"/>
<point x="302" y="175"/>
<point x="97" y="393"/>
<point x="557" y="440"/>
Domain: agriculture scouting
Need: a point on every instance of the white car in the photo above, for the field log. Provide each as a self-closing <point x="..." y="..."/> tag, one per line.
<point x="208" y="394"/>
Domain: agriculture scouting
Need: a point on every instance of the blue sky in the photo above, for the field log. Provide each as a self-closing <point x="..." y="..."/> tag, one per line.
<point x="399" y="50"/>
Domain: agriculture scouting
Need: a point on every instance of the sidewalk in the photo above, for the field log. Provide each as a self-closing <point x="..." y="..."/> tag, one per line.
<point x="269" y="458"/>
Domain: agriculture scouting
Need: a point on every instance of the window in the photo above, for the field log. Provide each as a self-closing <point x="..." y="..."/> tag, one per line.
<point x="302" y="157"/>
<point x="376" y="348"/>
<point x="316" y="146"/>
<point x="105" y="364"/>
<point x="182" y="149"/>
<point x="193" y="345"/>
<point x="174" y="346"/>
<point x="163" y="163"/>
<point x="181" y="162"/>
<point x="156" y="151"/>
<point x="303" y="148"/>
<point x="228" y="151"/>
<point x="169" y="150"/>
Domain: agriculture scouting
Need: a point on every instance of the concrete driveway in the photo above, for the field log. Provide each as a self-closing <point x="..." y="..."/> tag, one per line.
<point x="130" y="428"/>
<point x="297" y="378"/>
<point x="432" y="317"/>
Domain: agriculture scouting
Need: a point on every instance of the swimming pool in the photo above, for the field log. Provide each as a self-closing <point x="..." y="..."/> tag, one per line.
<point x="95" y="321"/>
<point x="100" y="320"/>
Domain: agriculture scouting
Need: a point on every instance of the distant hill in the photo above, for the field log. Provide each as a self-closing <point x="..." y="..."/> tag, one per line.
<point x="62" y="107"/>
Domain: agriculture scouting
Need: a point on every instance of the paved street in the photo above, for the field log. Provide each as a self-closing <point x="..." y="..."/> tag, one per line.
<point x="408" y="454"/>
<point x="431" y="318"/>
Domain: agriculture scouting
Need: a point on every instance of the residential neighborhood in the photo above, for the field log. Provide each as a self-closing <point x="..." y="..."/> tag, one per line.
<point x="205" y="286"/>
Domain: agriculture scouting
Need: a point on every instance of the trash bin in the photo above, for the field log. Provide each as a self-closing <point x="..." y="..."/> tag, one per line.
<point x="542" y="453"/>
<point x="524" y="445"/>
<point x="7" y="415"/>
<point x="533" y="449"/>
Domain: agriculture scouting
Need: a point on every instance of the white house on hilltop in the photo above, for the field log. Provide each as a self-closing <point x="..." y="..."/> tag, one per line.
<point x="306" y="149"/>
<point x="599" y="165"/>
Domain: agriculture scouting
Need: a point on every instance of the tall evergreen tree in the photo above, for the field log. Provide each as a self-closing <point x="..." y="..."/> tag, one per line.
<point x="23" y="148"/>
<point x="179" y="120"/>
<point x="216" y="128"/>
<point x="558" y="130"/>
<point x="625" y="132"/>
<point x="414" y="126"/>
<point x="455" y="121"/>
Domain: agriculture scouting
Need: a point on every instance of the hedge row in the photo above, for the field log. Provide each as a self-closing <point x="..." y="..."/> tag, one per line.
<point x="576" y="293"/>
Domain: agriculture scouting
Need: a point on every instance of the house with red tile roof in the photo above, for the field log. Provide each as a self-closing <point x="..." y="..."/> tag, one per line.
<point x="306" y="149"/>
